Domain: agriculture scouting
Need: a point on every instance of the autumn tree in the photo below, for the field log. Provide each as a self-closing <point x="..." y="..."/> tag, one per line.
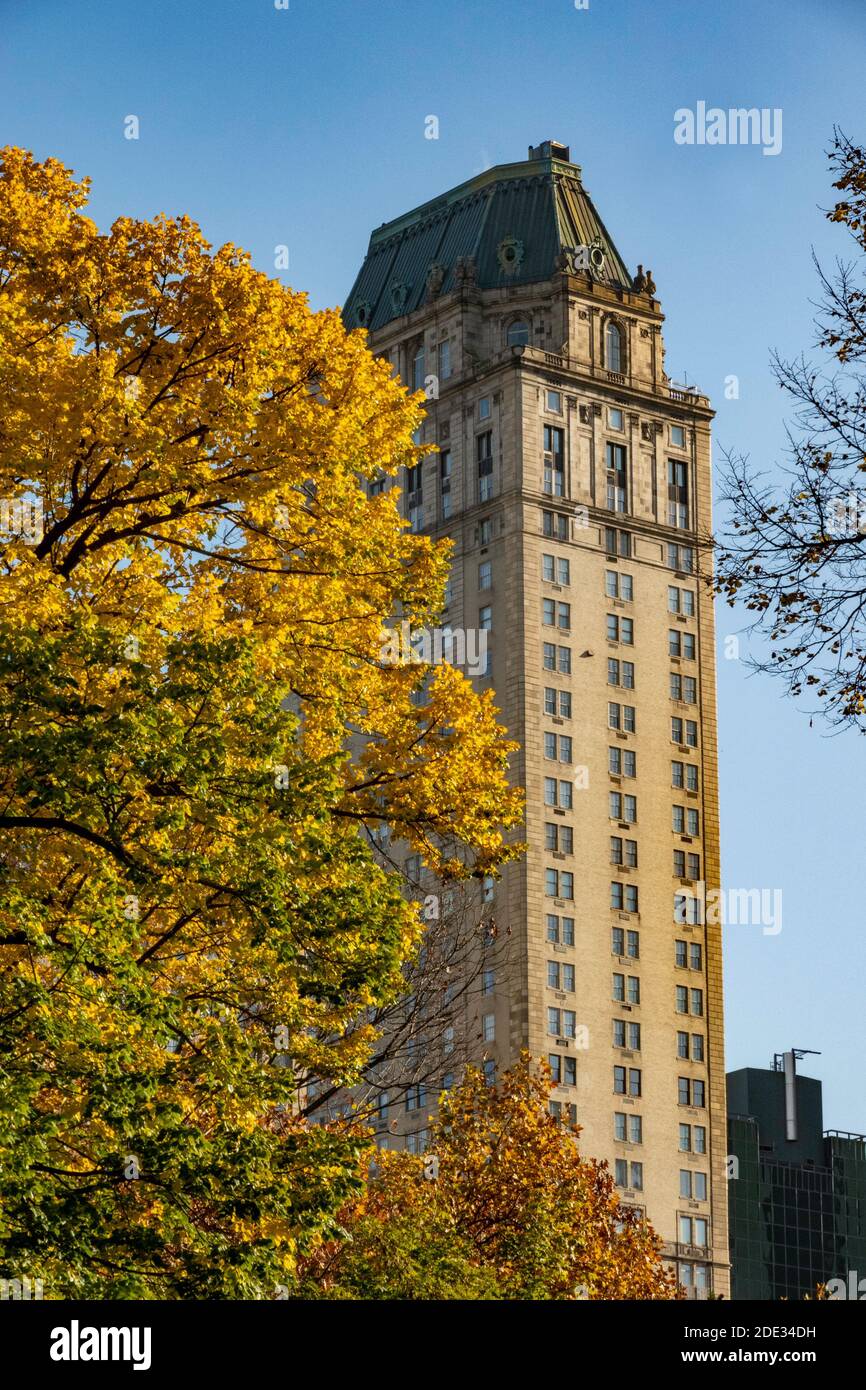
<point x="794" y="551"/>
<point x="193" y="585"/>
<point x="501" y="1206"/>
<point x="432" y="1029"/>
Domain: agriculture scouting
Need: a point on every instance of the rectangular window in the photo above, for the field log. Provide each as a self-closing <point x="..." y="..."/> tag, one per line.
<point x="617" y="480"/>
<point x="554" y="461"/>
<point x="444" y="360"/>
<point x="417" y="353"/>
<point x="488" y="1028"/>
<point x="445" y="484"/>
<point x="681" y="558"/>
<point x="624" y="896"/>
<point x="555" y="524"/>
<point x="549" y="656"/>
<point x="484" y="460"/>
<point x="617" y="542"/>
<point x="617" y="585"/>
<point x="485" y="575"/>
<point x="548" y="570"/>
<point x="678" y="494"/>
<point x="563" y="660"/>
<point x="416" y="1097"/>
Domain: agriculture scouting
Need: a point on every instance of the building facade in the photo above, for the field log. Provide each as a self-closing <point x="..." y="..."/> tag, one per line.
<point x="573" y="479"/>
<point x="797" y="1192"/>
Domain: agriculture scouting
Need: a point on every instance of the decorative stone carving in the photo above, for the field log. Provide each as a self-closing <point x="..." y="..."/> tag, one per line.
<point x="399" y="292"/>
<point x="510" y="253"/>
<point x="435" y="279"/>
<point x="465" y="272"/>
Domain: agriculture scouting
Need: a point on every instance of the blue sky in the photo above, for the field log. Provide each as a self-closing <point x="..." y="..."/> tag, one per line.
<point x="305" y="127"/>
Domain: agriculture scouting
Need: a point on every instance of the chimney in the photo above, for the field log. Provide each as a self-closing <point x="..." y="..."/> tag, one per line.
<point x="550" y="149"/>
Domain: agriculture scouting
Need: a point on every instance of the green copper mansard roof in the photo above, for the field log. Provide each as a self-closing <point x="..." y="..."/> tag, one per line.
<point x="507" y="226"/>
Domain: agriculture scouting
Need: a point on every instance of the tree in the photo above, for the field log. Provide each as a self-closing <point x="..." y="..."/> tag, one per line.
<point x="191" y="917"/>
<point x="501" y="1206"/>
<point x="433" y="1028"/>
<point x="795" y="551"/>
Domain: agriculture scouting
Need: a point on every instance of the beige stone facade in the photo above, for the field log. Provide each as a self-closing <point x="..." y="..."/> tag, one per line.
<point x="579" y="537"/>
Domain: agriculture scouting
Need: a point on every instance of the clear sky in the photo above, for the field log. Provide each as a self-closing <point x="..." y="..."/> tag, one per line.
<point x="305" y="127"/>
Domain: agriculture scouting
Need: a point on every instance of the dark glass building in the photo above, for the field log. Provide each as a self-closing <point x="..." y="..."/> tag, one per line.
<point x="797" y="1194"/>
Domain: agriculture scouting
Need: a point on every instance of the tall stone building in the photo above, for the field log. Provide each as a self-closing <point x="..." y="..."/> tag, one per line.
<point x="574" y="480"/>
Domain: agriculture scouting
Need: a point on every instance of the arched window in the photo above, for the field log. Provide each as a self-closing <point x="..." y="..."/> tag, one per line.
<point x="613" y="353"/>
<point x="518" y="334"/>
